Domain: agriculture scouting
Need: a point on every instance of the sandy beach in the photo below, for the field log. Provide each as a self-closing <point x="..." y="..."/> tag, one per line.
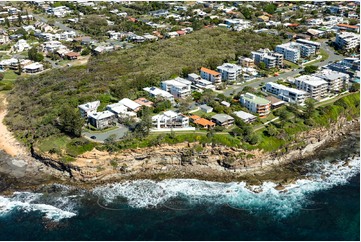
<point x="8" y="143"/>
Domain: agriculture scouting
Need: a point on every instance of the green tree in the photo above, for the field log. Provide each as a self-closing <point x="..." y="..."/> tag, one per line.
<point x="7" y="22"/>
<point x="310" y="69"/>
<point x="309" y="108"/>
<point x="70" y="121"/>
<point x="20" y="19"/>
<point x="270" y="8"/>
<point x="20" y="69"/>
<point x="262" y="66"/>
<point x="355" y="87"/>
<point x="272" y="130"/>
<point x="34" y="55"/>
<point x="353" y="21"/>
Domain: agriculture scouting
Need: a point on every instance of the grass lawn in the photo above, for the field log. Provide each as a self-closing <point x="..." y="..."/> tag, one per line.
<point x="291" y="64"/>
<point x="324" y="54"/>
<point x="200" y="113"/>
<point x="52" y="142"/>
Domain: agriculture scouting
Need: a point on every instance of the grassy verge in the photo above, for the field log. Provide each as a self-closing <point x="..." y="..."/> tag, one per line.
<point x="291" y="64"/>
<point x="324" y="55"/>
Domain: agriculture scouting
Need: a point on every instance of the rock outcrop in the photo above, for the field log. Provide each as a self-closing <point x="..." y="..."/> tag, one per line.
<point x="193" y="158"/>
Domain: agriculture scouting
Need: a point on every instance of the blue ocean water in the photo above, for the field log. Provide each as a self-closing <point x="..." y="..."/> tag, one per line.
<point x="322" y="205"/>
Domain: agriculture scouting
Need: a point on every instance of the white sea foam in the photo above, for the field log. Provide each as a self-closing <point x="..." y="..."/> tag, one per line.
<point x="147" y="193"/>
<point x="27" y="202"/>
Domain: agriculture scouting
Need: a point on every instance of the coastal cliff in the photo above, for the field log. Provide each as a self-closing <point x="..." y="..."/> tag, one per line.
<point x="193" y="160"/>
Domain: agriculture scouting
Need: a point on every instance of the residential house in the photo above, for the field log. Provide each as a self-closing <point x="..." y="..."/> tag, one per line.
<point x="120" y="110"/>
<point x="229" y="72"/>
<point x="288" y="94"/>
<point x="144" y="102"/>
<point x="101" y="120"/>
<point x="223" y="119"/>
<point x="72" y="55"/>
<point x="256" y="104"/>
<point x="21" y="45"/>
<point x="205" y="108"/>
<point x="178" y="87"/>
<point x="246" y="62"/>
<point x="157" y="92"/>
<point x="336" y="80"/>
<point x="205" y="123"/>
<point x="226" y="104"/>
<point x="246" y="117"/>
<point x="262" y="18"/>
<point x="210" y="75"/>
<point x="33" y="68"/>
<point x="4" y="37"/>
<point x="131" y="105"/>
<point x="317" y="87"/>
<point x="170" y="119"/>
<point x="88" y="108"/>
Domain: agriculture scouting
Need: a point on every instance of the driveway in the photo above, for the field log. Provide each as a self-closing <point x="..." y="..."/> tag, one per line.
<point x="119" y="132"/>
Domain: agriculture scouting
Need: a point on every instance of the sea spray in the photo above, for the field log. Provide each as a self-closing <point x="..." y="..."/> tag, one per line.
<point x="237" y="195"/>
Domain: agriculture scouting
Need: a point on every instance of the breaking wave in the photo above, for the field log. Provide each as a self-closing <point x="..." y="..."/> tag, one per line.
<point x="29" y="202"/>
<point x="185" y="193"/>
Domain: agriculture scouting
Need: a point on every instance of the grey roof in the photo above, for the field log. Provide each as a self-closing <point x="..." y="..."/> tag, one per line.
<point x="244" y="115"/>
<point x="222" y="117"/>
<point x="204" y="106"/>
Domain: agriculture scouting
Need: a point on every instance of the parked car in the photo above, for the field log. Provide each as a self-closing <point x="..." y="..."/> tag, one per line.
<point x="93" y="137"/>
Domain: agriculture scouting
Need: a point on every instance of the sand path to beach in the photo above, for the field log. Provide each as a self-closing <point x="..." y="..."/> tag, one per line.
<point x="7" y="141"/>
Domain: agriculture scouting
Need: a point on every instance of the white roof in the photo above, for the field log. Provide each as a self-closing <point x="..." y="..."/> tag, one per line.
<point x="289" y="89"/>
<point x="34" y="66"/>
<point x="328" y="74"/>
<point x="170" y="113"/>
<point x="158" y="92"/>
<point x="244" y="115"/>
<point x="226" y="103"/>
<point x="117" y="108"/>
<point x="311" y="80"/>
<point x="89" y="105"/>
<point x="129" y="103"/>
<point x="101" y="115"/>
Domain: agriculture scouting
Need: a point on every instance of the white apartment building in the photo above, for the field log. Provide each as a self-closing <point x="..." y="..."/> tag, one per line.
<point x="336" y="80"/>
<point x="256" y="104"/>
<point x="287" y="94"/>
<point x="210" y="75"/>
<point x="170" y="119"/>
<point x="315" y="86"/>
<point x="229" y="71"/>
<point x="199" y="82"/>
<point x="347" y="40"/>
<point x="270" y="58"/>
<point x="178" y="87"/>
<point x="290" y="52"/>
<point x="293" y="51"/>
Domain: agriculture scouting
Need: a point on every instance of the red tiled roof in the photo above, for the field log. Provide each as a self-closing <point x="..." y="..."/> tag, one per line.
<point x="212" y="72"/>
<point x="347" y="26"/>
<point x="204" y="122"/>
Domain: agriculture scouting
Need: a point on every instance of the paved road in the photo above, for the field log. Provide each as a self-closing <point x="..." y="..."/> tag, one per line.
<point x="332" y="58"/>
<point x="100" y="137"/>
<point x="57" y="24"/>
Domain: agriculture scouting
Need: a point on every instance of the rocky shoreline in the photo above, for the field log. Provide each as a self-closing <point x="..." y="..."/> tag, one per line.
<point x="192" y="161"/>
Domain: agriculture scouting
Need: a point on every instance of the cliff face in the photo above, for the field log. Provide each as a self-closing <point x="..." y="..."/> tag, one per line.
<point x="193" y="158"/>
